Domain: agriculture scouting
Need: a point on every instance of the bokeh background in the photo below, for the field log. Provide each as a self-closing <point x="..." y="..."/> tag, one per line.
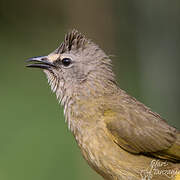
<point x="144" y="39"/>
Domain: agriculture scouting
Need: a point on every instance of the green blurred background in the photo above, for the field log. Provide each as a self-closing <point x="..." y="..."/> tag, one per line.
<point x="144" y="39"/>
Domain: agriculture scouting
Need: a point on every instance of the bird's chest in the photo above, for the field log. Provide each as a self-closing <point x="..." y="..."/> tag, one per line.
<point x="91" y="135"/>
<point x="95" y="147"/>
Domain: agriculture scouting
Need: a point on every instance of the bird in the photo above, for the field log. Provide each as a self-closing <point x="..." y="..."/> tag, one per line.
<point x="119" y="137"/>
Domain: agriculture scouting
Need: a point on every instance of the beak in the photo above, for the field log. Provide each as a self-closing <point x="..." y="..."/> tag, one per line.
<point x="40" y="62"/>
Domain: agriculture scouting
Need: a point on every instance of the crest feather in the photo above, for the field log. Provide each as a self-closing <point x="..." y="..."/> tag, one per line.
<point x="73" y="40"/>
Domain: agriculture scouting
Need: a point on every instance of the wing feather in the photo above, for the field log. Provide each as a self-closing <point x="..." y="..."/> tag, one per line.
<point x="135" y="128"/>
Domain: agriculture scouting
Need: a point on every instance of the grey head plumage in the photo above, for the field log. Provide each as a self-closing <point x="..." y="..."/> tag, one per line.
<point x="78" y="67"/>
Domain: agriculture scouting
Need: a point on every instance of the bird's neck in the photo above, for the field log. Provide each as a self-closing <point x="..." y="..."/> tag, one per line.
<point x="83" y="101"/>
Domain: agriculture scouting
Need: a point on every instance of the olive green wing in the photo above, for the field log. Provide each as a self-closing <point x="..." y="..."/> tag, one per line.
<point x="140" y="131"/>
<point x="172" y="153"/>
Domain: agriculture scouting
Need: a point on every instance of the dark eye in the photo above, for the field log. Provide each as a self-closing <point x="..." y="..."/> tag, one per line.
<point x="66" y="62"/>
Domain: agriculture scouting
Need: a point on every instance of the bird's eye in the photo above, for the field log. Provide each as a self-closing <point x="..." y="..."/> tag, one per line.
<point x="66" y="61"/>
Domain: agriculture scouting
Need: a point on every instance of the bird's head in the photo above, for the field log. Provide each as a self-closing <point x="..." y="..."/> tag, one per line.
<point x="76" y="64"/>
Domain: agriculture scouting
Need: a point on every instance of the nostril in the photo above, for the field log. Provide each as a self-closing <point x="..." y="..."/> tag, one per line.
<point x="44" y="59"/>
